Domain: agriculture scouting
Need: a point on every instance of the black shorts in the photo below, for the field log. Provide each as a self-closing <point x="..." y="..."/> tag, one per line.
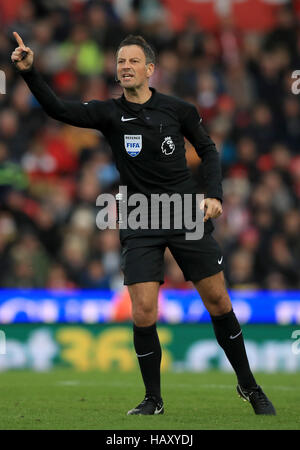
<point x="143" y="257"/>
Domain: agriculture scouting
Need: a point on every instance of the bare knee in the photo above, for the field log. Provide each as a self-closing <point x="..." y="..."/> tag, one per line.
<point x="214" y="294"/>
<point x="143" y="314"/>
<point x="218" y="304"/>
<point x="144" y="297"/>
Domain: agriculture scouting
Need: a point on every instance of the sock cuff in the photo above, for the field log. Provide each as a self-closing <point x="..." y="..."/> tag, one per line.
<point x="223" y="316"/>
<point x="144" y="330"/>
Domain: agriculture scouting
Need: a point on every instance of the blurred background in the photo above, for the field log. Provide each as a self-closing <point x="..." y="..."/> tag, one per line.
<point x="234" y="60"/>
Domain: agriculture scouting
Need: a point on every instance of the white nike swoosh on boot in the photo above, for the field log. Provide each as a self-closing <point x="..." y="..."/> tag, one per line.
<point x="124" y="119"/>
<point x="157" y="411"/>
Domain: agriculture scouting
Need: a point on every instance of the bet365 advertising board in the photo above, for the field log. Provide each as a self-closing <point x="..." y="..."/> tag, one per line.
<point x="89" y="330"/>
<point x="104" y="347"/>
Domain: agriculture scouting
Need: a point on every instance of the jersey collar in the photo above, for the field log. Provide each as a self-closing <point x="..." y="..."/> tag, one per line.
<point x="148" y="103"/>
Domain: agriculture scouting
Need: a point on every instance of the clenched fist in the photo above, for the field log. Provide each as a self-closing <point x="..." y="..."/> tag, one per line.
<point x="22" y="56"/>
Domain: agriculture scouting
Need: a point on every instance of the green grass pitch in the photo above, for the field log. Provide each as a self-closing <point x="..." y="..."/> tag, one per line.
<point x="64" y="399"/>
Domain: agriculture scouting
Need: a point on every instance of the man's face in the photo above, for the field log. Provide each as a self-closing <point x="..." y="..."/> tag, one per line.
<point x="132" y="70"/>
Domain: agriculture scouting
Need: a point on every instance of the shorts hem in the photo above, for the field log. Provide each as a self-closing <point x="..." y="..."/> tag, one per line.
<point x="128" y="283"/>
<point x="201" y="277"/>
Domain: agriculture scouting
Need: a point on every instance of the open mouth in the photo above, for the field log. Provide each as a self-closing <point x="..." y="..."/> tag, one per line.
<point x="127" y="76"/>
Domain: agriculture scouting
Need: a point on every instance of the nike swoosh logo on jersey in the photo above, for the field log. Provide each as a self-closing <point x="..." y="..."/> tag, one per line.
<point x="146" y="354"/>
<point x="220" y="260"/>
<point x="233" y="337"/>
<point x="125" y="119"/>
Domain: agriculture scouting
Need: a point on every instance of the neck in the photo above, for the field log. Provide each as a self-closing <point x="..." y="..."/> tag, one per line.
<point x="138" y="95"/>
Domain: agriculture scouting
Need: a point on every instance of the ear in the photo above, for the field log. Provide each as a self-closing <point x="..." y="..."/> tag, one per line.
<point x="150" y="69"/>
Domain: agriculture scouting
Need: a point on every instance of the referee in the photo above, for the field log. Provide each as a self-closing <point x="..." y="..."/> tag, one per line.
<point x="154" y="125"/>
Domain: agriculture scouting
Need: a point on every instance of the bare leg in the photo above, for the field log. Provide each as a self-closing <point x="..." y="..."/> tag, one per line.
<point x="214" y="294"/>
<point x="144" y="298"/>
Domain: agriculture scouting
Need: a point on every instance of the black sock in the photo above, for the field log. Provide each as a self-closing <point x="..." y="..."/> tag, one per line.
<point x="229" y="336"/>
<point x="148" y="350"/>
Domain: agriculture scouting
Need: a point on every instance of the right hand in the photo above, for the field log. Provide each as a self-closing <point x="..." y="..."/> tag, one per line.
<point x="26" y="63"/>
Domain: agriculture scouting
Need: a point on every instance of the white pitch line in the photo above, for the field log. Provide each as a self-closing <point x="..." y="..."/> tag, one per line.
<point x="171" y="385"/>
<point x="69" y="383"/>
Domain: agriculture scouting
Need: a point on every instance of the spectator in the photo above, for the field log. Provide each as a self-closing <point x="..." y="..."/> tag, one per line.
<point x="51" y="174"/>
<point x="94" y="277"/>
<point x="57" y="278"/>
<point x="241" y="270"/>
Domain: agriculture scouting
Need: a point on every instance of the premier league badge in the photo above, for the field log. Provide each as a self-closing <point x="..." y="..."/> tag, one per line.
<point x="168" y="146"/>
<point x="133" y="144"/>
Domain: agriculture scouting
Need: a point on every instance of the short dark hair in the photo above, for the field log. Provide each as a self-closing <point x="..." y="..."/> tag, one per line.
<point x="141" y="42"/>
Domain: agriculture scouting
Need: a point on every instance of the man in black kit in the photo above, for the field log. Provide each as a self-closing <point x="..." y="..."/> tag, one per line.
<point x="156" y="163"/>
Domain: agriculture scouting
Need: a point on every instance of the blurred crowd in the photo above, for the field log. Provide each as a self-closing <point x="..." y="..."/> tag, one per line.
<point x="52" y="173"/>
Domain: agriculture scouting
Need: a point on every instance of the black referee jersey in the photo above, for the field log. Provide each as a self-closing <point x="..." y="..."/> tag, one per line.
<point x="147" y="140"/>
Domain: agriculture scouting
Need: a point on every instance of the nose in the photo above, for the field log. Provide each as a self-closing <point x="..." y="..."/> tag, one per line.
<point x="126" y="65"/>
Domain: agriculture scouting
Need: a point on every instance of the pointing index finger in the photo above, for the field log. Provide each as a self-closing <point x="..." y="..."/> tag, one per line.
<point x="19" y="40"/>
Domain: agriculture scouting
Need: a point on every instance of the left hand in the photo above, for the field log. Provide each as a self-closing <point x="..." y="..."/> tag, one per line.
<point x="213" y="208"/>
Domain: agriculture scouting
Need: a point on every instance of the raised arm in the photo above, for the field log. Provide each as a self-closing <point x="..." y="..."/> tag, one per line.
<point x="84" y="115"/>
